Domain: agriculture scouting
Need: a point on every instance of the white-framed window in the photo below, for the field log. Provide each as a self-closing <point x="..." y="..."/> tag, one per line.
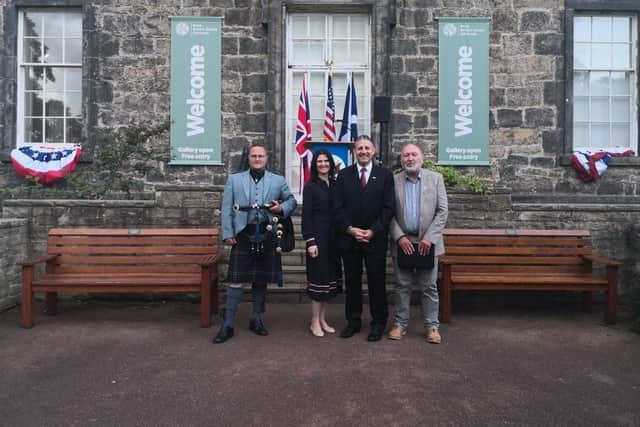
<point x="49" y="102"/>
<point x="318" y="44"/>
<point x="605" y="81"/>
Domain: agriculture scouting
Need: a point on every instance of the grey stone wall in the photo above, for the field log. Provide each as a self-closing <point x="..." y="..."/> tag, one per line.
<point x="14" y="247"/>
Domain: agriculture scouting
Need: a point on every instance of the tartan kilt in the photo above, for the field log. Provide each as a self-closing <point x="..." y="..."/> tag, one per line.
<point x="244" y="268"/>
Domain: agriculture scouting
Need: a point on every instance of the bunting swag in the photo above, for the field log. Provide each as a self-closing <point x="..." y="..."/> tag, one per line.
<point x="349" y="129"/>
<point x="303" y="135"/>
<point x="590" y="165"/>
<point x="46" y="163"/>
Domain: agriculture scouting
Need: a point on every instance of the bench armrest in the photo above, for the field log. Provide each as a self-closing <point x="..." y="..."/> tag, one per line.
<point x="602" y="261"/>
<point x="33" y="261"/>
<point x="209" y="260"/>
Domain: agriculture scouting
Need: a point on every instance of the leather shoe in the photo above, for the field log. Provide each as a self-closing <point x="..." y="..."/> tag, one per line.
<point x="349" y="331"/>
<point x="223" y="335"/>
<point x="375" y="334"/>
<point x="258" y="328"/>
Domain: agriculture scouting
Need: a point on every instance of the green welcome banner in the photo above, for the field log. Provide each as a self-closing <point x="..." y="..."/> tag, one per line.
<point x="463" y="95"/>
<point x="195" y="90"/>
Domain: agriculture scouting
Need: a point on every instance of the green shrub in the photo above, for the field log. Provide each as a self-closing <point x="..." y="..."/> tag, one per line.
<point x="454" y="179"/>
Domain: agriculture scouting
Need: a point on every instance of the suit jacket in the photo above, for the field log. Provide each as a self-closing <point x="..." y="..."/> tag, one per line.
<point x="371" y="207"/>
<point x="238" y="191"/>
<point x="434" y="209"/>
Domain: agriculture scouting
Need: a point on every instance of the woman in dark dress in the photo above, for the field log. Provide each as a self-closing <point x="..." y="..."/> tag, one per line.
<point x="323" y="265"/>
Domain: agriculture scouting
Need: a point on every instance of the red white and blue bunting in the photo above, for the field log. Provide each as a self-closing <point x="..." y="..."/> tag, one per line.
<point x="590" y="165"/>
<point x="46" y="163"/>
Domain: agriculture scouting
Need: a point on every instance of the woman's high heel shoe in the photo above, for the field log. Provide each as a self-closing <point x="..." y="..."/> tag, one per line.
<point x="316" y="333"/>
<point x="328" y="329"/>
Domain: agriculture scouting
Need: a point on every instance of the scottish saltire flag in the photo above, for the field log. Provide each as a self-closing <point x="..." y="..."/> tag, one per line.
<point x="349" y="129"/>
<point x="329" y="132"/>
<point x="46" y="163"/>
<point x="303" y="135"/>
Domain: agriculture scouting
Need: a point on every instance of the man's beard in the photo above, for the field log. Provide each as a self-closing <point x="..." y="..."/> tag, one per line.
<point x="413" y="169"/>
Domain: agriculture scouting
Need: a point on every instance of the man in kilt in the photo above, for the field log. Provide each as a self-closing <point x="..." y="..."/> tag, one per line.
<point x="249" y="203"/>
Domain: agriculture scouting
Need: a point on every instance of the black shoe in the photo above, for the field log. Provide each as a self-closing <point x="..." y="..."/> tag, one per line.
<point x="258" y="328"/>
<point x="376" y="333"/>
<point x="349" y="331"/>
<point x="225" y="333"/>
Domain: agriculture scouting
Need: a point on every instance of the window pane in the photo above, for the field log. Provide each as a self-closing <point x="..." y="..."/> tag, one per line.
<point x="620" y="109"/>
<point x="54" y="104"/>
<point x="621" y="56"/>
<point x="599" y="135"/>
<point x="55" y="79"/>
<point x="73" y="79"/>
<point x="73" y="25"/>
<point x="73" y="51"/>
<point x="316" y="53"/>
<point x="599" y="109"/>
<point x="32" y="23"/>
<point x="621" y="32"/>
<point x="340" y="26"/>
<point x="601" y="56"/>
<point x="54" y="130"/>
<point x="619" y="83"/>
<point x="599" y="84"/>
<point x="33" y="130"/>
<point x="340" y="51"/>
<point x="32" y="50"/>
<point x="316" y="84"/>
<point x="74" y="131"/>
<point x="316" y="27"/>
<point x="601" y="29"/>
<point x="73" y="104"/>
<point x="299" y="54"/>
<point x="53" y="24"/>
<point x="52" y="51"/>
<point x="582" y="29"/>
<point x="620" y="135"/>
<point x="33" y="104"/>
<point x="581" y="110"/>
<point x="581" y="135"/>
<point x="359" y="26"/>
<point x="358" y="52"/>
<point x="34" y="78"/>
<point x="582" y="55"/>
<point x="580" y="84"/>
<point x="299" y="26"/>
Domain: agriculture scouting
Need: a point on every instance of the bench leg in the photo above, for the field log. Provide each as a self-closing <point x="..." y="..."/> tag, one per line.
<point x="587" y="300"/>
<point x="51" y="303"/>
<point x="27" y="298"/>
<point x="612" y="295"/>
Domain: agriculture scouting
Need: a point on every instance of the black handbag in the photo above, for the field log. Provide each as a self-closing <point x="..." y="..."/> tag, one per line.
<point x="415" y="260"/>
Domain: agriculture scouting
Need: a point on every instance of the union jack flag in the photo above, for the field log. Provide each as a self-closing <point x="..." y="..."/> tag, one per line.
<point x="303" y="135"/>
<point x="329" y="132"/>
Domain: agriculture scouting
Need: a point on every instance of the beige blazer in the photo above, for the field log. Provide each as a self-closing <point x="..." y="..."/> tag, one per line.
<point x="434" y="210"/>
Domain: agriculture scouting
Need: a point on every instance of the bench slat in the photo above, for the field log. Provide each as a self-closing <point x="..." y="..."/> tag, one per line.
<point x="516" y="250"/>
<point x="208" y="240"/>
<point x="524" y="260"/>
<point x="512" y="232"/>
<point x="134" y="231"/>
<point x="126" y="269"/>
<point x="128" y="260"/>
<point x="518" y="241"/>
<point x="513" y="278"/>
<point x="132" y="250"/>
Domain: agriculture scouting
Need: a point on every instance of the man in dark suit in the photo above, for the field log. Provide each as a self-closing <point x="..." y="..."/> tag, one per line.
<point x="364" y="203"/>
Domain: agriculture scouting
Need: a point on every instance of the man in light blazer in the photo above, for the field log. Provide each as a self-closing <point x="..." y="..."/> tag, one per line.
<point x="253" y="259"/>
<point x="363" y="202"/>
<point x="421" y="214"/>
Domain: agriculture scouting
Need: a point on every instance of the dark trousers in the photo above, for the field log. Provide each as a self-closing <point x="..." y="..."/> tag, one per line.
<point x="375" y="262"/>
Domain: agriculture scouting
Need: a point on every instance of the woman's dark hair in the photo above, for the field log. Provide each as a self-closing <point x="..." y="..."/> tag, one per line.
<point x="314" y="166"/>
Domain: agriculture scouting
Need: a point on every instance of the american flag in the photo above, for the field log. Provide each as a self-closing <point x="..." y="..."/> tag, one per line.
<point x="329" y="132"/>
<point x="303" y="135"/>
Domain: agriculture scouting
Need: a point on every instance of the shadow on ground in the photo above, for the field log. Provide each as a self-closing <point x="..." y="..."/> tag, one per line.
<point x="108" y="363"/>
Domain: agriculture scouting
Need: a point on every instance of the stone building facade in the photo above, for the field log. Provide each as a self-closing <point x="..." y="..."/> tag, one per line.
<point x="125" y="80"/>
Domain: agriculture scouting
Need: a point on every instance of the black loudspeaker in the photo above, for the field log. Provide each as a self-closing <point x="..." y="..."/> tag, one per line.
<point x="382" y="109"/>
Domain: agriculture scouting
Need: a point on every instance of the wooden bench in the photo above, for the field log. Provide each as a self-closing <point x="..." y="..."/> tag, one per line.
<point x="89" y="260"/>
<point x="525" y="260"/>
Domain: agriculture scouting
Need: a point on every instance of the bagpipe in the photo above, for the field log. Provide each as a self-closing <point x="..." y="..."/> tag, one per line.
<point x="279" y="228"/>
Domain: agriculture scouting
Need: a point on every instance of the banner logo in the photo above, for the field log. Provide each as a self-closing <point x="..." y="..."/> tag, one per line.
<point x="182" y="29"/>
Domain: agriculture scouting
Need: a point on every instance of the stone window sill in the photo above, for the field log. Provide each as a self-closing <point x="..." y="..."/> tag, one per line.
<point x="634" y="161"/>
